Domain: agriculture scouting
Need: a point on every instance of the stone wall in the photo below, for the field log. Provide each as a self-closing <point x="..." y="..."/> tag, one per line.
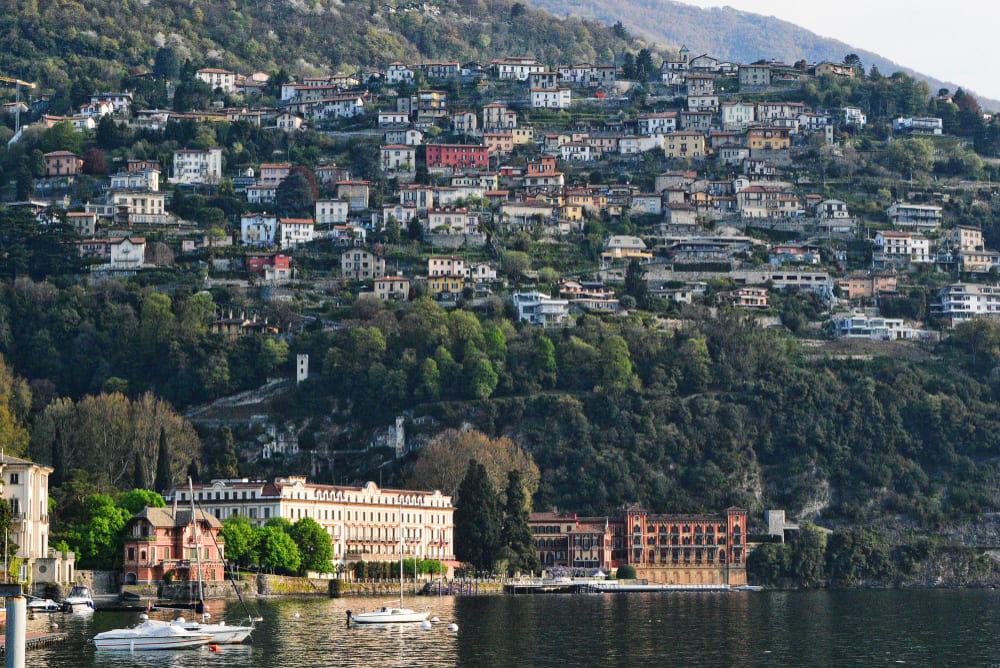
<point x="455" y="240"/>
<point x="100" y="582"/>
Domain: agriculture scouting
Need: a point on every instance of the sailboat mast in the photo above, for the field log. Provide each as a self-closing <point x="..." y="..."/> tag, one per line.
<point x="197" y="544"/>
<point x="400" y="552"/>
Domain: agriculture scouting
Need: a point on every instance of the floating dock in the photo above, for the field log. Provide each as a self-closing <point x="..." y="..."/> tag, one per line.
<point x="36" y="640"/>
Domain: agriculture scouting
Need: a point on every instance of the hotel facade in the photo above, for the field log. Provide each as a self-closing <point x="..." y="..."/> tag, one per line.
<point x="364" y="523"/>
<point x="670" y="549"/>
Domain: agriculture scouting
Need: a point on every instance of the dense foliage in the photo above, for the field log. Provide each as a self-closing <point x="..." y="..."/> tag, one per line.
<point x="94" y="43"/>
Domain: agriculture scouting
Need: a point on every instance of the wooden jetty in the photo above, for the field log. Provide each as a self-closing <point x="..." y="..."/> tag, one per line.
<point x="36" y="640"/>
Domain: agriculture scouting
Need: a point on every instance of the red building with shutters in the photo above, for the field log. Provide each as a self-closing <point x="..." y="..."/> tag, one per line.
<point x="159" y="541"/>
<point x="452" y="156"/>
<point x="670" y="549"/>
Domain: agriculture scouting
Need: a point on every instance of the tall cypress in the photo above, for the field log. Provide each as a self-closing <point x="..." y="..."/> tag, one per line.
<point x="519" y="549"/>
<point x="164" y="478"/>
<point x="138" y="473"/>
<point x="478" y="519"/>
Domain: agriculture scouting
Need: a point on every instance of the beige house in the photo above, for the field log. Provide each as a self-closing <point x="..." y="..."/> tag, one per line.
<point x="361" y="265"/>
<point x="25" y="486"/>
<point x="392" y="287"/>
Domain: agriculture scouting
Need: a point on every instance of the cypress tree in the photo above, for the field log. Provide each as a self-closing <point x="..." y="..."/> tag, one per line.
<point x="478" y="519"/>
<point x="139" y="475"/>
<point x="164" y="478"/>
<point x="518" y="546"/>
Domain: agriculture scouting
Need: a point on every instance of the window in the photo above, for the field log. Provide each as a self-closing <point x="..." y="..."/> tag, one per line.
<point x="131" y="554"/>
<point x="13" y="478"/>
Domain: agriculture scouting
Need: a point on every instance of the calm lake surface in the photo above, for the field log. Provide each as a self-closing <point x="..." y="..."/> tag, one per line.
<point x="863" y="628"/>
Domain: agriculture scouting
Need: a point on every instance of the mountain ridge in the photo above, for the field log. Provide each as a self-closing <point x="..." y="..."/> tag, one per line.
<point x="730" y="34"/>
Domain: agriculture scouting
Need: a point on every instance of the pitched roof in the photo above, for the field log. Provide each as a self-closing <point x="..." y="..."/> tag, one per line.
<point x="167" y="517"/>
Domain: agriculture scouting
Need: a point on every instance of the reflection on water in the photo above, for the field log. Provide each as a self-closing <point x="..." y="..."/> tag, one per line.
<point x="695" y="629"/>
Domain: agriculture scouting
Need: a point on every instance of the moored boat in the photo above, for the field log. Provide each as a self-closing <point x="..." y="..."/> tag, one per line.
<point x="79" y="600"/>
<point x="151" y="635"/>
<point x="222" y="634"/>
<point x="390" y="615"/>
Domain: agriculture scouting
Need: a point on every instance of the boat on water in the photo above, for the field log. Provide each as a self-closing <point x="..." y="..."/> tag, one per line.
<point x="79" y="600"/>
<point x="151" y="635"/>
<point x="43" y="605"/>
<point x="392" y="614"/>
<point x="222" y="634"/>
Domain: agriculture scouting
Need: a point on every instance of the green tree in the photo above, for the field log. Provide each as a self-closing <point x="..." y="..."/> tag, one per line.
<point x="635" y="282"/>
<point x="226" y="464"/>
<point x="625" y="572"/>
<point x="240" y="538"/>
<point x="97" y="537"/>
<point x="478" y="519"/>
<point x="616" y="363"/>
<point x="61" y="137"/>
<point x="277" y="551"/>
<point x="481" y="379"/>
<point x="807" y="559"/>
<point x="294" y="196"/>
<point x="314" y="545"/>
<point x="166" y="64"/>
<point x="519" y="548"/>
<point x="135" y="500"/>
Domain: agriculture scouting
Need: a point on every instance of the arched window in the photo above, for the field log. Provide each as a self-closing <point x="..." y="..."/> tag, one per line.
<point x="638" y="529"/>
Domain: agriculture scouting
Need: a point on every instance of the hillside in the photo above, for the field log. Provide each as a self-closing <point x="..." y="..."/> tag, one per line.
<point x="727" y="33"/>
<point x="58" y="42"/>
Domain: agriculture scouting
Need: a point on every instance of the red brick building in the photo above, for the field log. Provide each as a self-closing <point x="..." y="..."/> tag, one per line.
<point x="159" y="541"/>
<point x="672" y="549"/>
<point x="451" y="156"/>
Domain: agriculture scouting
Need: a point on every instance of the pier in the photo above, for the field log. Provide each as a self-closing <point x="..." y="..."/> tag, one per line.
<point x="36" y="640"/>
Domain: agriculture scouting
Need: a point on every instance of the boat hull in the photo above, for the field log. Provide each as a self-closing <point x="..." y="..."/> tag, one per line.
<point x="389" y="618"/>
<point x="142" y="644"/>
<point x="221" y="634"/>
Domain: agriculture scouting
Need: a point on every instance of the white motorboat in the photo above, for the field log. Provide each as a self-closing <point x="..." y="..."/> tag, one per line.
<point x="222" y="634"/>
<point x="43" y="605"/>
<point x="151" y="635"/>
<point x="79" y="600"/>
<point x="390" y="615"/>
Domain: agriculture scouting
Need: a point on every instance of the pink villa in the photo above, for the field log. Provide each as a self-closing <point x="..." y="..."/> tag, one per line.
<point x="161" y="541"/>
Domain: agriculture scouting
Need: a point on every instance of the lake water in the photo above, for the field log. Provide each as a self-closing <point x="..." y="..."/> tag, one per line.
<point x="863" y="628"/>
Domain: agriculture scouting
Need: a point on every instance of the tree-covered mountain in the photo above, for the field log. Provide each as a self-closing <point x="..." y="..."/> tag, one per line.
<point x="726" y="33"/>
<point x="59" y="42"/>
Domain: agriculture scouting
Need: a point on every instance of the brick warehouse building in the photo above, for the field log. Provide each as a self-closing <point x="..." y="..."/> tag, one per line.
<point x="671" y="549"/>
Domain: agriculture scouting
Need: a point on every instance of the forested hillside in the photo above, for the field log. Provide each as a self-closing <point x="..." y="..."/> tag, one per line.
<point x="59" y="42"/>
<point x="727" y="33"/>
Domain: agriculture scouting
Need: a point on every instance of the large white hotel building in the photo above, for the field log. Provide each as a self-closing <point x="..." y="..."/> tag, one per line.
<point x="364" y="523"/>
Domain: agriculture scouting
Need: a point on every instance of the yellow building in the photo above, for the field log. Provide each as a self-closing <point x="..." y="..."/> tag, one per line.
<point x="445" y="284"/>
<point x="684" y="145"/>
<point x="768" y="138"/>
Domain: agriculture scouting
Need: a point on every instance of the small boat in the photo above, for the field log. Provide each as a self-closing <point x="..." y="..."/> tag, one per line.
<point x="389" y="615"/>
<point x="79" y="600"/>
<point x="43" y="605"/>
<point x="747" y="588"/>
<point x="150" y="635"/>
<point x="222" y="634"/>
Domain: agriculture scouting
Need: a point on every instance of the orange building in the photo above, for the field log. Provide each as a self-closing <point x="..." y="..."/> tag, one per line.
<point x="670" y="549"/>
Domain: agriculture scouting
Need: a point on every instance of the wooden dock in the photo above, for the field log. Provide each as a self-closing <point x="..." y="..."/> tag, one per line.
<point x="36" y="640"/>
